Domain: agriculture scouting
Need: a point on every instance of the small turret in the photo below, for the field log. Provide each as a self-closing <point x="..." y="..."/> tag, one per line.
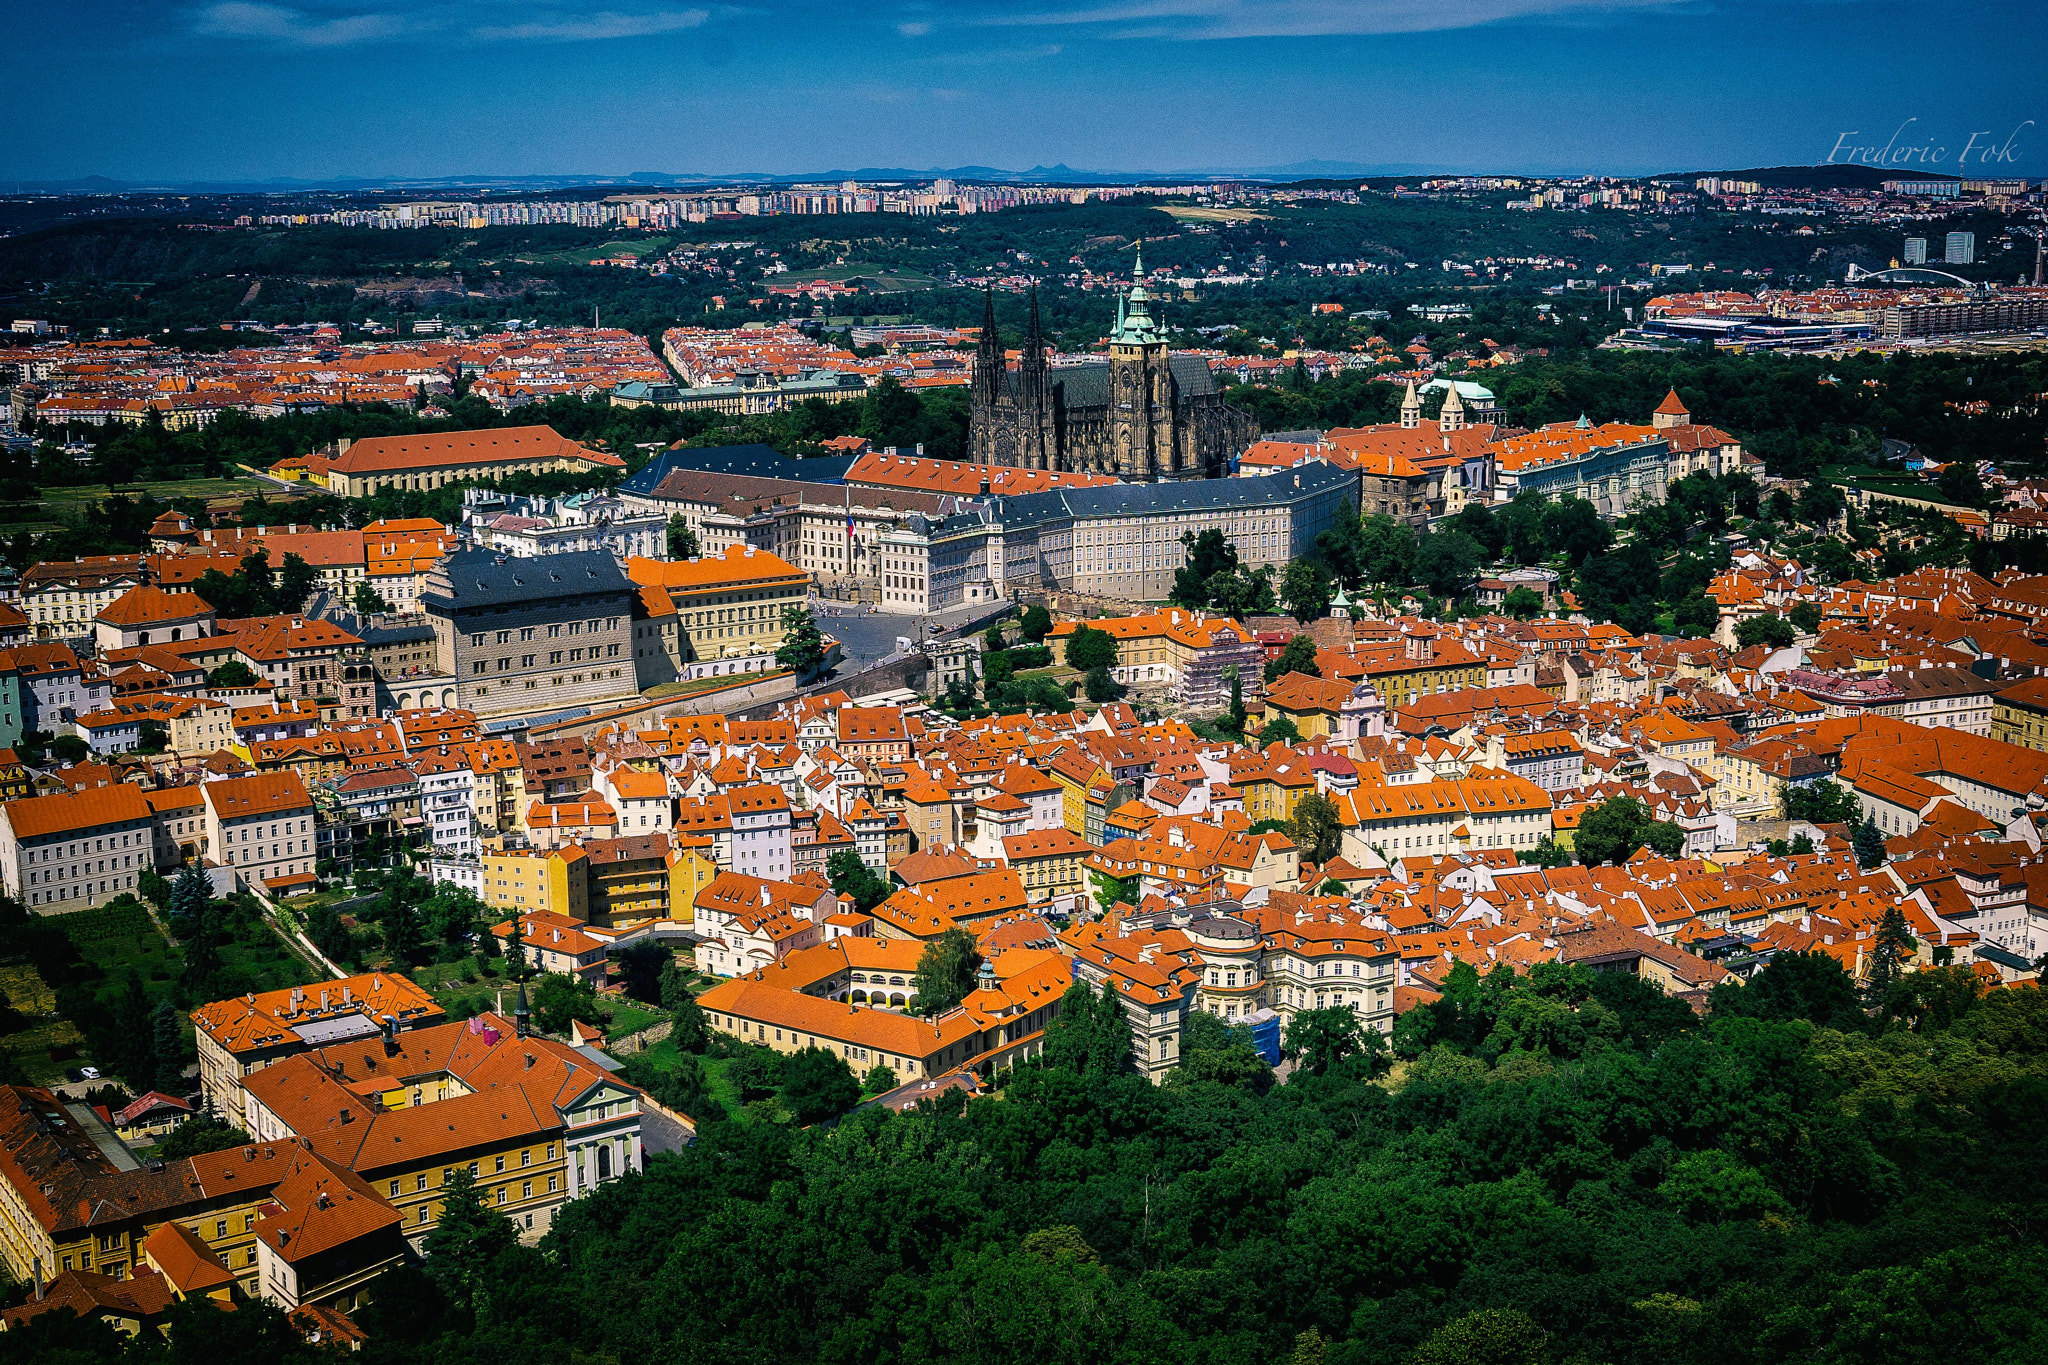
<point x="1411" y="408"/>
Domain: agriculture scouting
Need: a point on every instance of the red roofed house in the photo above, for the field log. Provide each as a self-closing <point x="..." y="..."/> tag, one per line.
<point x="72" y="850"/>
<point x="262" y="826"/>
<point x="148" y="614"/>
<point x="360" y="468"/>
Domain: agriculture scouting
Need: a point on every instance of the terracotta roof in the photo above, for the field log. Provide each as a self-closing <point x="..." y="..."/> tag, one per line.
<point x="68" y="812"/>
<point x="147" y="605"/>
<point x="739" y="566"/>
<point x="263" y="794"/>
<point x="184" y="1259"/>
<point x="492" y="445"/>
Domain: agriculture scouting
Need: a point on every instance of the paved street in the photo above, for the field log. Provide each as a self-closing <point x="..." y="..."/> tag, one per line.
<point x="867" y="638"/>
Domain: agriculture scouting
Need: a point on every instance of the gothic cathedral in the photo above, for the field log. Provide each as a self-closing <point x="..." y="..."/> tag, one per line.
<point x="1144" y="414"/>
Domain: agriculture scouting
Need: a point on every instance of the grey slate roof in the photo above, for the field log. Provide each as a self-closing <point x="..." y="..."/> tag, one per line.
<point x="758" y="461"/>
<point x="483" y="578"/>
<point x="394" y="635"/>
<point x="1186" y="495"/>
<point x="1087" y="386"/>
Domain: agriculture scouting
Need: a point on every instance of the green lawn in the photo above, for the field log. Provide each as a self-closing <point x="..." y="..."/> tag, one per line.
<point x="640" y="248"/>
<point x="473" y="992"/>
<point x="665" y="1056"/>
<point x="80" y="495"/>
<point x="627" y="1017"/>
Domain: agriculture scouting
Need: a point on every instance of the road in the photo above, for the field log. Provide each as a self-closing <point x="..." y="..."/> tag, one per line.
<point x="867" y="638"/>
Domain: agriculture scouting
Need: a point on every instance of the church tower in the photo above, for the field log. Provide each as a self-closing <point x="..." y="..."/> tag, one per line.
<point x="1670" y="413"/>
<point x="1145" y="441"/>
<point x="1452" y="417"/>
<point x="984" y="425"/>
<point x="1036" y="448"/>
<point x="1411" y="408"/>
<point x="988" y="356"/>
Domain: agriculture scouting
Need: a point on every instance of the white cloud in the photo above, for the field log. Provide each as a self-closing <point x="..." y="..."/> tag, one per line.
<point x="275" y="22"/>
<point x="594" y="27"/>
<point x="915" y="29"/>
<point x="319" y="25"/>
<point x="1003" y="56"/>
<point x="1303" y="18"/>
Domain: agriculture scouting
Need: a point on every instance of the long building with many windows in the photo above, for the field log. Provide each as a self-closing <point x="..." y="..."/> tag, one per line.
<point x="522" y="636"/>
<point x="74" y="850"/>
<point x="356" y="469"/>
<point x="727" y="606"/>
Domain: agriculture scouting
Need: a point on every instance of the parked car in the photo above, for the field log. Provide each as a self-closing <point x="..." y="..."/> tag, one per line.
<point x="90" y="1073"/>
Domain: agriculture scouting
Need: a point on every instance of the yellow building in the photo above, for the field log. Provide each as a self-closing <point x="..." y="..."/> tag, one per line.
<point x="356" y="469"/>
<point x="1449" y="667"/>
<point x="441" y="1102"/>
<point x="1274" y="786"/>
<point x="690" y="870"/>
<point x="1159" y="647"/>
<point x="2019" y="715"/>
<point x="727" y="606"/>
<point x="556" y="879"/>
<point x="1048" y="862"/>
<point x="1314" y="705"/>
<point x="629" y="878"/>
<point x="1076" y="773"/>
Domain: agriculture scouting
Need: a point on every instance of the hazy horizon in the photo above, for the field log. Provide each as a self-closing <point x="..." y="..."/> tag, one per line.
<point x="247" y="90"/>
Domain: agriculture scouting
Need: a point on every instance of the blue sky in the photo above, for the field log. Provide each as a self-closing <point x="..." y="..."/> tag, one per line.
<point x="233" y="89"/>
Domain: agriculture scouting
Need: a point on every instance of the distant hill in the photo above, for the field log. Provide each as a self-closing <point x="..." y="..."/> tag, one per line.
<point x="1380" y="175"/>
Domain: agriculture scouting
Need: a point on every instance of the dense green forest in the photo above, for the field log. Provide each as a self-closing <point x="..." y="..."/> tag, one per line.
<point x="1565" y="1167"/>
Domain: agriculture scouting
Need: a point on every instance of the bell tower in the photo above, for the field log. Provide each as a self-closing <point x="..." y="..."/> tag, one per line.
<point x="1035" y="443"/>
<point x="1145" y="438"/>
<point x="1452" y="416"/>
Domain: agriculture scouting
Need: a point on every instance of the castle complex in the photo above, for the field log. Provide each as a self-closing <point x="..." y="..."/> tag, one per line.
<point x="1144" y="414"/>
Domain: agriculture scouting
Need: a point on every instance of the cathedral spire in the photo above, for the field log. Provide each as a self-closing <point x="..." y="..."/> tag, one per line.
<point x="1034" y="338"/>
<point x="988" y="354"/>
<point x="1135" y="325"/>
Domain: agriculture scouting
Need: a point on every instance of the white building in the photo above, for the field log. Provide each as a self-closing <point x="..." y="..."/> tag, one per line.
<point x="531" y="527"/>
<point x="448" y="804"/>
<point x="75" y="849"/>
<point x="262" y="827"/>
<point x="761" y="829"/>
